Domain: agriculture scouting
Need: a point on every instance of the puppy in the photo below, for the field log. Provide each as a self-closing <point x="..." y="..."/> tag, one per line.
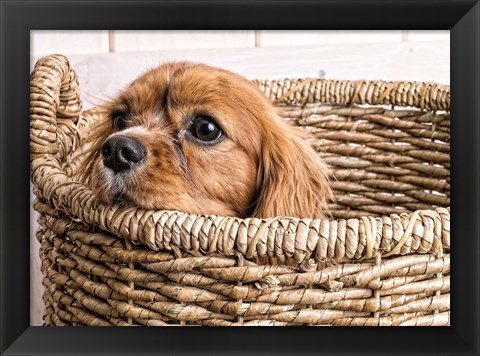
<point x="203" y="140"/>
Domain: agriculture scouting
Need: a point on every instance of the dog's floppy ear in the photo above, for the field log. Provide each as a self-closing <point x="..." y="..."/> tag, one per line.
<point x="292" y="179"/>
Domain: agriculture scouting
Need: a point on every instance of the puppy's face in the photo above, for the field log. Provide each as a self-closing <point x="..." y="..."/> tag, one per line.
<point x="201" y="140"/>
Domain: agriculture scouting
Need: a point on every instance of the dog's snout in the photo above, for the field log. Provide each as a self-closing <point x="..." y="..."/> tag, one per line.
<point x="122" y="152"/>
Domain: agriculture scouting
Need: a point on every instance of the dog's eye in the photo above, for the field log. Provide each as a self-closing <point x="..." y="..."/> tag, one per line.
<point x="119" y="121"/>
<point x="205" y="129"/>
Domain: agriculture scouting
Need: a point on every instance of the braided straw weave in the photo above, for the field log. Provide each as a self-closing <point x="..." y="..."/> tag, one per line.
<point x="383" y="259"/>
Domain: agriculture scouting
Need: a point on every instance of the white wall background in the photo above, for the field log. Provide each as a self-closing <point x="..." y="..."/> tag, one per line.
<point x="107" y="60"/>
<point x="94" y="42"/>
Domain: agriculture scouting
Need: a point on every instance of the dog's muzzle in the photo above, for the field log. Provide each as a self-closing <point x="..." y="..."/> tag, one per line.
<point x="121" y="153"/>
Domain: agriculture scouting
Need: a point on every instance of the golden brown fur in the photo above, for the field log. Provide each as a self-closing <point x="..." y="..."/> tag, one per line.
<point x="262" y="167"/>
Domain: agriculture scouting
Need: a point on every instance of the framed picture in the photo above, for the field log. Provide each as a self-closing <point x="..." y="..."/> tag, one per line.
<point x="18" y="336"/>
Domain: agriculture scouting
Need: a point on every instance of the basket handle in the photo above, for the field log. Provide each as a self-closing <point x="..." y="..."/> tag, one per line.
<point x="54" y="99"/>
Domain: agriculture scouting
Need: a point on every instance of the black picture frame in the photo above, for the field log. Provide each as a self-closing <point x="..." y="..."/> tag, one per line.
<point x="18" y="17"/>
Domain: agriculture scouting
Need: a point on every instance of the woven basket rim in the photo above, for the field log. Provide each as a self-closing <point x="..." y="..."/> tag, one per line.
<point x="52" y="142"/>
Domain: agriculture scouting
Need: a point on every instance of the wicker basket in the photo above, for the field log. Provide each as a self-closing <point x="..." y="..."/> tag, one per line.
<point x="382" y="260"/>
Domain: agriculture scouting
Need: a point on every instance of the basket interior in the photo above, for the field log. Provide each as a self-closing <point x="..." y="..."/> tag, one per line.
<point x="386" y="159"/>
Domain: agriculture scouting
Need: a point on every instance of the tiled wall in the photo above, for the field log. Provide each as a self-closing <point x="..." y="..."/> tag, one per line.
<point x="88" y="42"/>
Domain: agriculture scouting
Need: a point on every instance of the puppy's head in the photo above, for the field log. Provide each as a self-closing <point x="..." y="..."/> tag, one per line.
<point x="203" y="140"/>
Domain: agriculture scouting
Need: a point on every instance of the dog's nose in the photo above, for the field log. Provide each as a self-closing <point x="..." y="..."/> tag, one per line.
<point x="122" y="152"/>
